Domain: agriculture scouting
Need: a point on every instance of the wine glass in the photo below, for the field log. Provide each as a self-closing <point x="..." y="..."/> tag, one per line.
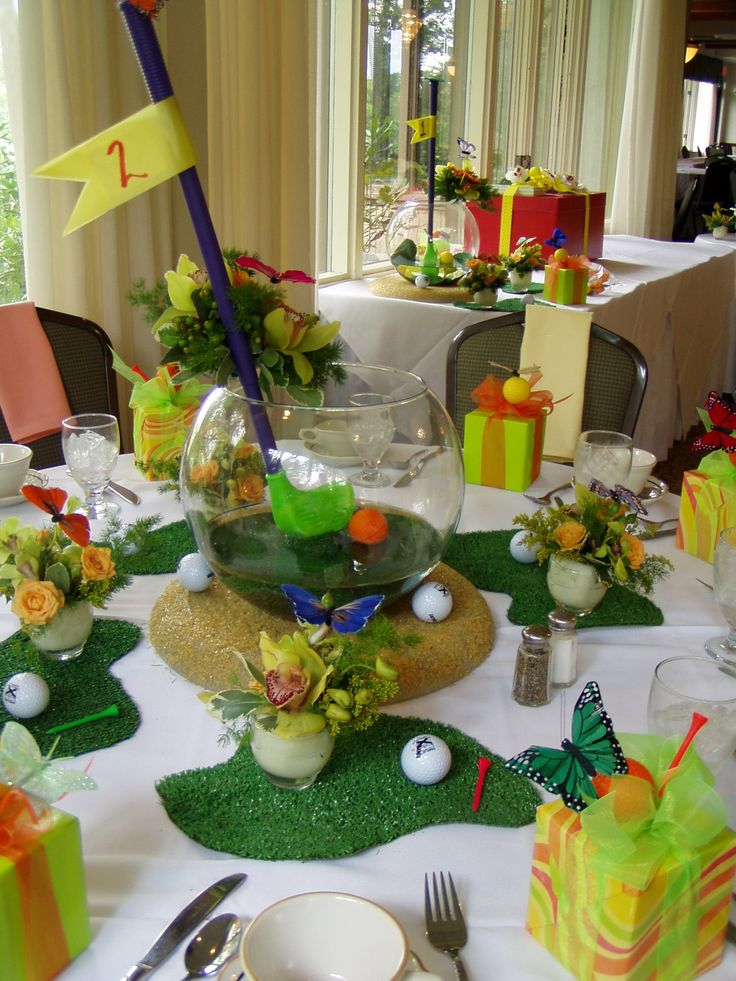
<point x="371" y="430"/>
<point x="683" y="685"/>
<point x="91" y="445"/>
<point x="724" y="590"/>
<point x="603" y="455"/>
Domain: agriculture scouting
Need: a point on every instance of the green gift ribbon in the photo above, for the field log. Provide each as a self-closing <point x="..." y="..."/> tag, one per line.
<point x="718" y="465"/>
<point x="159" y="392"/>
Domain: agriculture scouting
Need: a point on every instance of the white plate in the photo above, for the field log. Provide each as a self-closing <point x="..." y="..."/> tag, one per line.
<point x="353" y="460"/>
<point x="34" y="478"/>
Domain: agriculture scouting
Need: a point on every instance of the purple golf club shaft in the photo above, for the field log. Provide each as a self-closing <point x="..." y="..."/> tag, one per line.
<point x="150" y="59"/>
<point x="431" y="152"/>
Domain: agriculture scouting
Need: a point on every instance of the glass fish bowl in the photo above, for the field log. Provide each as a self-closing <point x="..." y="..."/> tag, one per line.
<point x="455" y="229"/>
<point x="357" y="496"/>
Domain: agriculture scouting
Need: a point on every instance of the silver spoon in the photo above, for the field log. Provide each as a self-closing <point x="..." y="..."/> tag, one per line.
<point x="212" y="947"/>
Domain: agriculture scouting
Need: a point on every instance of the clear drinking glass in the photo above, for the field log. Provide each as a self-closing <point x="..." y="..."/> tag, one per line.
<point x="603" y="455"/>
<point x="683" y="685"/>
<point x="371" y="432"/>
<point x="91" y="445"/>
<point x="724" y="590"/>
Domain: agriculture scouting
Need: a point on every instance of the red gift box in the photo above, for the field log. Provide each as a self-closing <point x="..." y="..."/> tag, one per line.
<point x="579" y="216"/>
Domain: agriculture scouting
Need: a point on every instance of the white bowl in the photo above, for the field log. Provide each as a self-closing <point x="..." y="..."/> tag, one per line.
<point x="642" y="464"/>
<point x="14" y="462"/>
<point x="325" y="935"/>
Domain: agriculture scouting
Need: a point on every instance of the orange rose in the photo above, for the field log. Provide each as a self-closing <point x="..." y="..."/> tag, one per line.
<point x="204" y="473"/>
<point x="250" y="488"/>
<point x="243" y="452"/>
<point x="570" y="535"/>
<point x="635" y="552"/>
<point x="97" y="563"/>
<point x="36" y="603"/>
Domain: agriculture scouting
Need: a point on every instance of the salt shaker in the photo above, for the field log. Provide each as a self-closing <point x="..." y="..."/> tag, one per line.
<point x="531" y="675"/>
<point x="563" y="648"/>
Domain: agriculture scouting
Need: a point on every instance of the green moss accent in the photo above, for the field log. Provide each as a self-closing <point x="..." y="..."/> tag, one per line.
<point x="360" y="800"/>
<point x="483" y="557"/>
<point x="165" y="547"/>
<point x="77" y="688"/>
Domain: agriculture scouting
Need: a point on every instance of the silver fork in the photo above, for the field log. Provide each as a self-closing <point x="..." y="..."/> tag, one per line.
<point x="546" y="498"/>
<point x="445" y="923"/>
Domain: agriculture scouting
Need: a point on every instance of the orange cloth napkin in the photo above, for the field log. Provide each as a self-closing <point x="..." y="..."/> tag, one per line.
<point x="32" y="395"/>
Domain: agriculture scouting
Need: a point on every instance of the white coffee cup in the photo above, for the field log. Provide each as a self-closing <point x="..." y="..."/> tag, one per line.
<point x="14" y="462"/>
<point x="330" y="438"/>
<point x="642" y="464"/>
<point x="323" y="935"/>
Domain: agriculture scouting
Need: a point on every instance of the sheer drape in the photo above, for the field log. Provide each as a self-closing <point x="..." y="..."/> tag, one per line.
<point x="644" y="190"/>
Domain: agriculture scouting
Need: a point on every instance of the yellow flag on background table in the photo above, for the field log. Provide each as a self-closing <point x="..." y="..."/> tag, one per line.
<point x="125" y="160"/>
<point x="557" y="340"/>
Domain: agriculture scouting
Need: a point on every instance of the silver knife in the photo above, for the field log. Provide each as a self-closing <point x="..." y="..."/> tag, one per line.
<point x="124" y="492"/>
<point x="417" y="468"/>
<point x="182" y="925"/>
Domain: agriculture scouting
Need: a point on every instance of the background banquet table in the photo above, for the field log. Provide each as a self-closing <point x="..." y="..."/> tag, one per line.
<point x="673" y="300"/>
<point x="141" y="869"/>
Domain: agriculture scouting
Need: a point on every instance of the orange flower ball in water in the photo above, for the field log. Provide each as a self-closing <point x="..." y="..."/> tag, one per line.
<point x="368" y="526"/>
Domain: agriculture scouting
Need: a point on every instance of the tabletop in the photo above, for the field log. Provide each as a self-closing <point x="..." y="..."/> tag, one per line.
<point x="673" y="300"/>
<point x="141" y="870"/>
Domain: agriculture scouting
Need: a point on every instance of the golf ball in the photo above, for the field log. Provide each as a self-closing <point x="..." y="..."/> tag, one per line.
<point x="432" y="602"/>
<point x="426" y="759"/>
<point x="521" y="552"/>
<point x="194" y="574"/>
<point x="25" y="695"/>
<point x="421" y="281"/>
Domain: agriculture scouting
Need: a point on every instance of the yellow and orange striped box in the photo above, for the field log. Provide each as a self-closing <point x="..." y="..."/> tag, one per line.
<point x="159" y="435"/>
<point x="707" y="506"/>
<point x="566" y="286"/>
<point x="601" y="927"/>
<point x="43" y="906"/>
<point x="502" y="451"/>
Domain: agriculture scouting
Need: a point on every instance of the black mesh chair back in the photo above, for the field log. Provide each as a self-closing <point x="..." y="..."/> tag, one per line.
<point x="615" y="380"/>
<point x="82" y="352"/>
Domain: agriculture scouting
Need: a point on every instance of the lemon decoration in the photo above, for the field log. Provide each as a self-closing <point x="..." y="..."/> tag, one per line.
<point x="560" y="255"/>
<point x="516" y="389"/>
<point x="447" y="258"/>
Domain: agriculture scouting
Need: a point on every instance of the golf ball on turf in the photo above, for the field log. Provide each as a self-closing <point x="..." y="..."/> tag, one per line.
<point x="194" y="574"/>
<point x="426" y="759"/>
<point x="432" y="602"/>
<point x="521" y="552"/>
<point x="25" y="695"/>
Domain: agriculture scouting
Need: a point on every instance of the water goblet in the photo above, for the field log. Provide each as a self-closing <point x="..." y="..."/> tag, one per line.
<point x="371" y="430"/>
<point x="724" y="590"/>
<point x="603" y="455"/>
<point x="91" y="445"/>
<point x="683" y="685"/>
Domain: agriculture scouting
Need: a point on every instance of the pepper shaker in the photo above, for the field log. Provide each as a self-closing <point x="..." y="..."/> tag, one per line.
<point x="563" y="647"/>
<point x="531" y="675"/>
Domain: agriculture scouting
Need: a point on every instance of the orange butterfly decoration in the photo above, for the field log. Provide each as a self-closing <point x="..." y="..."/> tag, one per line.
<point x="52" y="501"/>
<point x="150" y="7"/>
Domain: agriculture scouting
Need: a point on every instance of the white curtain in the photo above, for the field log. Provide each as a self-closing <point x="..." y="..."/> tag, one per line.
<point x="651" y="133"/>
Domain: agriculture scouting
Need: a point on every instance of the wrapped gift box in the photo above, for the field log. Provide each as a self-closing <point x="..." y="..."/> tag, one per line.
<point x="159" y="435"/>
<point x="502" y="451"/>
<point x="707" y="506"/>
<point x="580" y="216"/>
<point x="567" y="286"/>
<point x="44" y="922"/>
<point x="600" y="927"/>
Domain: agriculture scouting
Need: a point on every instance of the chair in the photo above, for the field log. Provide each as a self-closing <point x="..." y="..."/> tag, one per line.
<point x="717" y="185"/>
<point x="82" y="352"/>
<point x="614" y="382"/>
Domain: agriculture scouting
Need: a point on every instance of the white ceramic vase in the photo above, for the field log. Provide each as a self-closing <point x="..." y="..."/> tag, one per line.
<point x="291" y="764"/>
<point x="720" y="231"/>
<point x="485" y="297"/>
<point x="64" y="638"/>
<point x="520" y="280"/>
<point x="574" y="585"/>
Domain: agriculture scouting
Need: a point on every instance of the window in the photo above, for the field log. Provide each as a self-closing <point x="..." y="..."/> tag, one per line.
<point x="12" y="273"/>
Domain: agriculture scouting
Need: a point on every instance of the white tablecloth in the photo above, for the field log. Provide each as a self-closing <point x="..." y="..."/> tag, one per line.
<point x="671" y="299"/>
<point x="141" y="870"/>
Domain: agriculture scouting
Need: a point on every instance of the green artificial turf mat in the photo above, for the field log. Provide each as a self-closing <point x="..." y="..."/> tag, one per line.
<point x="360" y="800"/>
<point x="507" y="306"/>
<point x="164" y="549"/>
<point x="78" y="688"/>
<point x="483" y="557"/>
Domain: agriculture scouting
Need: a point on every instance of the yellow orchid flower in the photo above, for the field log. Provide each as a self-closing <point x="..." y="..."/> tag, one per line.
<point x="181" y="282"/>
<point x="296" y="339"/>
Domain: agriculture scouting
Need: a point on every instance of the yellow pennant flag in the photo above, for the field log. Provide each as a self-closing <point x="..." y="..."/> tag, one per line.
<point x="424" y="128"/>
<point x="124" y="161"/>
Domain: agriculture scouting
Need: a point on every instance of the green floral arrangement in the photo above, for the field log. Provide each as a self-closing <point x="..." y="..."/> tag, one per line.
<point x="526" y="257"/>
<point x="600" y="531"/>
<point x="291" y="350"/>
<point x="484" y="272"/>
<point x="462" y="184"/>
<point x="309" y="681"/>
<point x="720" y="217"/>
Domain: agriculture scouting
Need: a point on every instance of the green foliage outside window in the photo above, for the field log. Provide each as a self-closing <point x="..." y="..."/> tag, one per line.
<point x="12" y="272"/>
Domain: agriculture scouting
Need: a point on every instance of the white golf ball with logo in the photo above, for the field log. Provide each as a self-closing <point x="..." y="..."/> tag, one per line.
<point x="194" y="574"/>
<point x="432" y="602"/>
<point x="25" y="695"/>
<point x="426" y="759"/>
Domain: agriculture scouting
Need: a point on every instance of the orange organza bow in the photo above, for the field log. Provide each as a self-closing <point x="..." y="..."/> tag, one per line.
<point x="489" y="397"/>
<point x="571" y="262"/>
<point x="19" y="822"/>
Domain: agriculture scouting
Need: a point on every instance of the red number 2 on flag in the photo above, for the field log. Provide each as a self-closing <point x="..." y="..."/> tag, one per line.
<point x="124" y="174"/>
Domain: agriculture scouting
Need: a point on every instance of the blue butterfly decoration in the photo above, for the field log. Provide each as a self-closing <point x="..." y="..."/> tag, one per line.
<point x="621" y="494"/>
<point x="347" y="619"/>
<point x="593" y="749"/>
<point x="557" y="239"/>
<point x="466" y="149"/>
